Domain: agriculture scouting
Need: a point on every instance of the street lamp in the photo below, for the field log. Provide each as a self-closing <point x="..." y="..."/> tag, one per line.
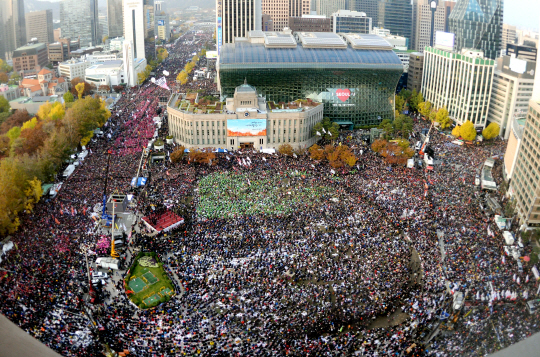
<point x="433" y="6"/>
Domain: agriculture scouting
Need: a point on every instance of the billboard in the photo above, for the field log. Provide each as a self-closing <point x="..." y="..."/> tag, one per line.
<point x="444" y="40"/>
<point x="161" y="22"/>
<point x="246" y="127"/>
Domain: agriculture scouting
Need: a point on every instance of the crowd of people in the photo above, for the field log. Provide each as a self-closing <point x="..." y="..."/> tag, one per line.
<point x="281" y="256"/>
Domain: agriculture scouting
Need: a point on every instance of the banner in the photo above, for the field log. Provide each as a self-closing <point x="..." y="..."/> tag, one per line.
<point x="246" y="127"/>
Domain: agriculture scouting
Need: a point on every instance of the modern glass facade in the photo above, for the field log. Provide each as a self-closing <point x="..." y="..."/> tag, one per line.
<point x="396" y="16"/>
<point x="354" y="85"/>
<point x="12" y="26"/>
<point x="478" y="24"/>
<point x="79" y="19"/>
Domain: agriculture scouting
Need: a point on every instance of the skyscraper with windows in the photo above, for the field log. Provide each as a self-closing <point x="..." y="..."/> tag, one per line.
<point x="478" y="24"/>
<point x="115" y="18"/>
<point x="134" y="25"/>
<point x="79" y="19"/>
<point x="235" y="18"/>
<point x="12" y="27"/>
<point x="422" y="13"/>
<point x="370" y="7"/>
<point x="39" y="24"/>
<point x="396" y="16"/>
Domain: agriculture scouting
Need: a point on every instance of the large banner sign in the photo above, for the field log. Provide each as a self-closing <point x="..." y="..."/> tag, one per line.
<point x="246" y="127"/>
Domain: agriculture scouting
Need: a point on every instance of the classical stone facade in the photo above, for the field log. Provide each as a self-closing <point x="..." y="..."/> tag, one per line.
<point x="244" y="121"/>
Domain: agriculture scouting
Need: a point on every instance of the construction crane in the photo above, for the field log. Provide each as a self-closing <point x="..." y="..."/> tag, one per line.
<point x="426" y="142"/>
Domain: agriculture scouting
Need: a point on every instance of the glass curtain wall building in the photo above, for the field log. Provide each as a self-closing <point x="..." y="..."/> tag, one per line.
<point x="12" y="27"/>
<point x="79" y="19"/>
<point x="396" y="16"/>
<point x="354" y="75"/>
<point x="115" y="18"/>
<point x="478" y="24"/>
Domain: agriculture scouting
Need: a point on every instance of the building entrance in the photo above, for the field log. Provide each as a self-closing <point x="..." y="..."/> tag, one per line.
<point x="246" y="145"/>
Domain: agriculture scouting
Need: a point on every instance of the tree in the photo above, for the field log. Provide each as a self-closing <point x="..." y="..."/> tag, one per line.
<point x="4" y="67"/>
<point x="14" y="133"/>
<point x="86" y="115"/>
<point x="4" y="146"/>
<point x="491" y="131"/>
<point x="316" y="152"/>
<point x="182" y="77"/>
<point x="30" y="124"/>
<point x="443" y="118"/>
<point x="388" y="127"/>
<point x="68" y="97"/>
<point x="286" y="149"/>
<point x="379" y="145"/>
<point x="3" y="77"/>
<point x="467" y="131"/>
<point x="456" y="131"/>
<point x="33" y="193"/>
<point x="413" y="101"/>
<point x="162" y="53"/>
<point x="331" y="129"/>
<point x="14" y="79"/>
<point x="32" y="139"/>
<point x="425" y="109"/>
<point x="79" y="87"/>
<point x="87" y="86"/>
<point x="52" y="111"/>
<point x="105" y="38"/>
<point x="400" y="102"/>
<point x="177" y="154"/>
<point x="4" y="105"/>
<point x="402" y="126"/>
<point x="17" y="119"/>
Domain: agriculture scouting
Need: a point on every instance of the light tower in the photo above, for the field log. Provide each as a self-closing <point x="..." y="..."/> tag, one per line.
<point x="433" y="6"/>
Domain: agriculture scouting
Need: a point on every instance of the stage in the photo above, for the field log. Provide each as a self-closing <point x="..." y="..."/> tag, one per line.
<point x="163" y="222"/>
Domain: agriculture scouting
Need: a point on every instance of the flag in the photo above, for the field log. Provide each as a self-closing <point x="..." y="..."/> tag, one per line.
<point x="72" y="211"/>
<point x="162" y="82"/>
<point x="324" y="131"/>
<point x="329" y="133"/>
<point x="166" y="73"/>
<point x="56" y="221"/>
<point x="318" y="133"/>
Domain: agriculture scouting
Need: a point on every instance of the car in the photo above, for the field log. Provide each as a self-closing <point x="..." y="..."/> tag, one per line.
<point x="520" y="266"/>
<point x="99" y="281"/>
<point x="458" y="300"/>
<point x="99" y="275"/>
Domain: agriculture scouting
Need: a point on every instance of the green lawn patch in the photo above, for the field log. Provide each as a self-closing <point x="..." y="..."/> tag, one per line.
<point x="148" y="281"/>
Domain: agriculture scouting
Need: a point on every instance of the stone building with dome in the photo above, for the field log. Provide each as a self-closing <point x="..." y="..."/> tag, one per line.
<point x="244" y="121"/>
<point x="46" y="84"/>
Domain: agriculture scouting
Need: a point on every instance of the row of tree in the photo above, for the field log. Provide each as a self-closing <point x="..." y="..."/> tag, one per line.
<point x="337" y="156"/>
<point x="33" y="149"/>
<point x="183" y="76"/>
<point x="394" y="152"/>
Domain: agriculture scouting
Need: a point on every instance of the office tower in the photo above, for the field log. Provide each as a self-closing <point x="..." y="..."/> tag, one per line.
<point x="310" y="23"/>
<point x="103" y="25"/>
<point x="422" y="13"/>
<point x="370" y="7"/>
<point x="513" y="82"/>
<point x="159" y="7"/>
<point x="79" y="19"/>
<point x="522" y="52"/>
<point x="416" y="69"/>
<point x="134" y="27"/>
<point x="460" y="81"/>
<point x="162" y="27"/>
<point x="280" y="11"/>
<point x="448" y="7"/>
<point x="235" y="18"/>
<point x="149" y="19"/>
<point x="12" y="27"/>
<point x="508" y="36"/>
<point x="39" y="24"/>
<point x="478" y="24"/>
<point x="351" y="22"/>
<point x="396" y="16"/>
<point x="128" y="61"/>
<point x="115" y="18"/>
<point x="328" y="7"/>
<point x="525" y="184"/>
<point x="268" y="24"/>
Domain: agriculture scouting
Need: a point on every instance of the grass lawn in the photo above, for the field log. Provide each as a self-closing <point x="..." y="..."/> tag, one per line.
<point x="150" y="284"/>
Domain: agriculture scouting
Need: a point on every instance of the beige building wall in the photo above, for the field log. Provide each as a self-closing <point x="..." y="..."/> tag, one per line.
<point x="328" y="7"/>
<point x="39" y="24"/>
<point x="508" y="35"/>
<point x="422" y="24"/>
<point x="281" y="10"/>
<point x="510" y="156"/>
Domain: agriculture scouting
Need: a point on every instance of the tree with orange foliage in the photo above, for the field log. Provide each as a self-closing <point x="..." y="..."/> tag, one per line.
<point x="379" y="145"/>
<point x="177" y="154"/>
<point x="33" y="140"/>
<point x="316" y="152"/>
<point x="202" y="157"/>
<point x="286" y="149"/>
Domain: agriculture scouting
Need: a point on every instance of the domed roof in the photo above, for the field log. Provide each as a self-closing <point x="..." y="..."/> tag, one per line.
<point x="245" y="88"/>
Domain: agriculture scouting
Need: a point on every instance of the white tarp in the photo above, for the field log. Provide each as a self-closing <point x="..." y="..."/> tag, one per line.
<point x="69" y="170"/>
<point x="7" y="247"/>
<point x="508" y="238"/>
<point x="268" y="151"/>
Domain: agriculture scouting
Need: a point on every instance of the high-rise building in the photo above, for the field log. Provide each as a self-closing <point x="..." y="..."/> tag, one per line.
<point x="235" y="18"/>
<point x="459" y="81"/>
<point x="115" y="18"/>
<point x="508" y="36"/>
<point x="523" y="52"/>
<point x="448" y="7"/>
<point x="310" y="23"/>
<point x="513" y="82"/>
<point x="525" y="184"/>
<point x="159" y="7"/>
<point x="416" y="69"/>
<point x="351" y="22"/>
<point x="422" y="32"/>
<point x="149" y="19"/>
<point x="281" y="10"/>
<point x="30" y="59"/>
<point x="396" y="16"/>
<point x="328" y="7"/>
<point x="79" y="19"/>
<point x="162" y="27"/>
<point x="478" y="24"/>
<point x="134" y="26"/>
<point x="103" y="25"/>
<point x="370" y="7"/>
<point x="12" y="27"/>
<point x="39" y="24"/>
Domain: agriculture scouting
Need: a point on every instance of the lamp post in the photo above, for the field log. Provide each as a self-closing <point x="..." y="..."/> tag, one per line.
<point x="433" y="6"/>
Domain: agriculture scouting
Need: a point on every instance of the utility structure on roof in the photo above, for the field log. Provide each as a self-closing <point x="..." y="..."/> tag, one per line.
<point x="353" y="75"/>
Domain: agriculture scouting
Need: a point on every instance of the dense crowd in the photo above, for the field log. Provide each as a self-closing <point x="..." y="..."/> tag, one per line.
<point x="292" y="258"/>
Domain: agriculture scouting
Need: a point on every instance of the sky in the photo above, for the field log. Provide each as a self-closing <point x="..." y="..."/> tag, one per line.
<point x="524" y="14"/>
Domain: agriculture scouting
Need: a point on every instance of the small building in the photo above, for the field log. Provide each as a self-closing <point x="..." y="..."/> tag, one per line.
<point x="246" y="120"/>
<point x="60" y="51"/>
<point x="310" y="23"/>
<point x="9" y="92"/>
<point x="345" y="21"/>
<point x="31" y="105"/>
<point x="46" y="84"/>
<point x="416" y="68"/>
<point x="30" y="59"/>
<point x="72" y="69"/>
